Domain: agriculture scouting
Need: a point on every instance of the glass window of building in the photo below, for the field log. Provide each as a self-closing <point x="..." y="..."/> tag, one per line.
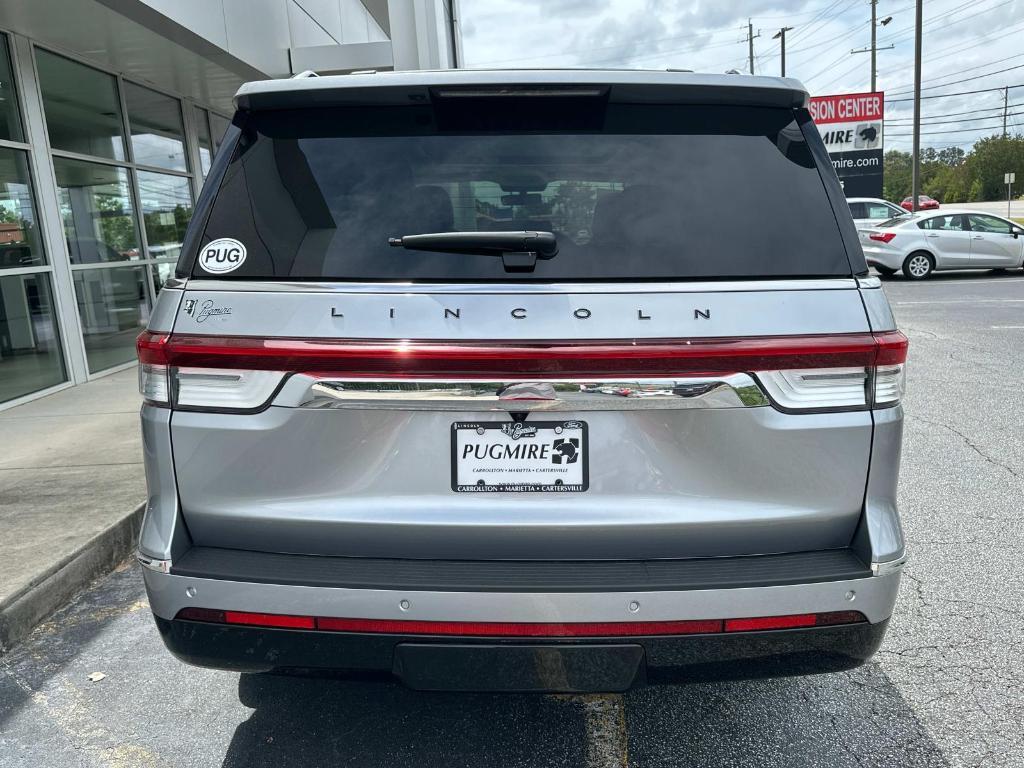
<point x="10" y="121"/>
<point x="219" y="126"/>
<point x="162" y="272"/>
<point x="114" y="309"/>
<point x="97" y="212"/>
<point x="203" y="138"/>
<point x="166" y="208"/>
<point x="30" y="355"/>
<point x="30" y="351"/>
<point x="20" y="244"/>
<point x="158" y="134"/>
<point x="83" y="112"/>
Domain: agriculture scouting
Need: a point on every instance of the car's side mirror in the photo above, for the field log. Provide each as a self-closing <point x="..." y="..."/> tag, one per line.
<point x="1017" y="232"/>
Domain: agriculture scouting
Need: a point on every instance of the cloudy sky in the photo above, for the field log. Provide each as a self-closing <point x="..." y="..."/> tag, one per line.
<point x="968" y="46"/>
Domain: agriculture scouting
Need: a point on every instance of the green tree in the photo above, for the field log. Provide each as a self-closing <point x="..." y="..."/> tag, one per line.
<point x="896" y="170"/>
<point x="116" y="224"/>
<point x="989" y="160"/>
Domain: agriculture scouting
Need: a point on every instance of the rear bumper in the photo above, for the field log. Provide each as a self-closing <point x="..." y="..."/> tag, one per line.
<point x="469" y="664"/>
<point x="576" y="595"/>
<point x="885" y="257"/>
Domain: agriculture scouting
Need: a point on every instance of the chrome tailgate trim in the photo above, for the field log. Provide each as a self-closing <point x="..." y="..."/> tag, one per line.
<point x="729" y="391"/>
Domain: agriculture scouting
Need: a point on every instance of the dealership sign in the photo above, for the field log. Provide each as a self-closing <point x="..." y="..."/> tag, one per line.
<point x="851" y="127"/>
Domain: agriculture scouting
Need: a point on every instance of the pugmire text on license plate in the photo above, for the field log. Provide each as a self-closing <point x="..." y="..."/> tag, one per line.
<point x="534" y="457"/>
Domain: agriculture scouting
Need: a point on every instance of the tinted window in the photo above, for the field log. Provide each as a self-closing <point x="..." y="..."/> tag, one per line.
<point x="952" y="222"/>
<point x="630" y="191"/>
<point x="857" y="210"/>
<point x="981" y="223"/>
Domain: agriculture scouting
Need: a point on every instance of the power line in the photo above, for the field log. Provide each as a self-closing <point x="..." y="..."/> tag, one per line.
<point x="945" y="53"/>
<point x="964" y="80"/>
<point x="844" y="75"/>
<point x="890" y="120"/>
<point x="961" y="121"/>
<point x="821" y="18"/>
<point x="961" y="93"/>
<point x="968" y="69"/>
<point x="993" y="128"/>
<point x="901" y="35"/>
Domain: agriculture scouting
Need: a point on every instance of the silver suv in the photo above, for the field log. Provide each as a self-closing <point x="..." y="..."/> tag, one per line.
<point x="531" y="381"/>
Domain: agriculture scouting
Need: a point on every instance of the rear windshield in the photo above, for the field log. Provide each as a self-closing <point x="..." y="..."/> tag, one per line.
<point x="631" y="192"/>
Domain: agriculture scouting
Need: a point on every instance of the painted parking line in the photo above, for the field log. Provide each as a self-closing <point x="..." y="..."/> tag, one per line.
<point x="960" y="301"/>
<point x="981" y="282"/>
<point x="1007" y="327"/>
<point x="605" y="726"/>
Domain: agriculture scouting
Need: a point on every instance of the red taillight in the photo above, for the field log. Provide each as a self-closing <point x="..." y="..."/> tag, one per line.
<point x="520" y="629"/>
<point x="770" y="622"/>
<point x="660" y="357"/>
<point x="882" y="237"/>
<point x="269" y="620"/>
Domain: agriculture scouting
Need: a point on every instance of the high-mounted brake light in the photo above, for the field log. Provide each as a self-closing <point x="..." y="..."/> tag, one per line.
<point x="882" y="237"/>
<point x="522" y="629"/>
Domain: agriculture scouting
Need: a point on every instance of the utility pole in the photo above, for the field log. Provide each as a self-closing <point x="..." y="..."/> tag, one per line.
<point x="781" y="35"/>
<point x="873" y="48"/>
<point x="1006" y="103"/>
<point x="916" y="176"/>
<point x="750" y="42"/>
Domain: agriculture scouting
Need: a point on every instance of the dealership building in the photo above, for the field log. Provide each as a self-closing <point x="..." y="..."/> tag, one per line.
<point x="110" y="114"/>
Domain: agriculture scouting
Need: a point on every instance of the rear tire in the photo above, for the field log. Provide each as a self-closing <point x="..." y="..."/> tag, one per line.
<point x="918" y="266"/>
<point x="885" y="271"/>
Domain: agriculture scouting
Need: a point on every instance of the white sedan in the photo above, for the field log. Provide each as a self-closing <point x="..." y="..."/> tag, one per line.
<point x="868" y="211"/>
<point x="944" y="239"/>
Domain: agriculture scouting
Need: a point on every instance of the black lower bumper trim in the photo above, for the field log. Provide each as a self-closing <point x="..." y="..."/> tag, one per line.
<point x="521" y="575"/>
<point x="550" y="665"/>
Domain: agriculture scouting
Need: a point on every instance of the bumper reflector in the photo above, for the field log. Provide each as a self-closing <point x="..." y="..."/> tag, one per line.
<point x="514" y="629"/>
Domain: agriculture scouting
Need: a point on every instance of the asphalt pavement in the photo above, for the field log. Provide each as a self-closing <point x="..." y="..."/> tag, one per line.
<point x="946" y="688"/>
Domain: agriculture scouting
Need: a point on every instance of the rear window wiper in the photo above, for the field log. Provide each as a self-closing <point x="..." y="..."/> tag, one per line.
<point x="519" y="251"/>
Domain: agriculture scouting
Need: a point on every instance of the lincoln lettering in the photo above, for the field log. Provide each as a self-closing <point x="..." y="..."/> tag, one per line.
<point x="520" y="313"/>
<point x="518" y="451"/>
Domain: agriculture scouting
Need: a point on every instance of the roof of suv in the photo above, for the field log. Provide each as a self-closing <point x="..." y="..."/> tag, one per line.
<point x="632" y="86"/>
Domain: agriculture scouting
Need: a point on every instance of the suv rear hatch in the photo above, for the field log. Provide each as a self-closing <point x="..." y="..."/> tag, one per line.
<point x="694" y="366"/>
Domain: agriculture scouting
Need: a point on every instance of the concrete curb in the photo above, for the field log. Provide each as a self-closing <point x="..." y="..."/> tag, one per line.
<point x="23" y="610"/>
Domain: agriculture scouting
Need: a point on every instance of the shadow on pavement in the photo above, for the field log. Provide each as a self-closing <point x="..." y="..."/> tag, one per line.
<point x="856" y="718"/>
<point x="321" y="722"/>
<point x="852" y="719"/>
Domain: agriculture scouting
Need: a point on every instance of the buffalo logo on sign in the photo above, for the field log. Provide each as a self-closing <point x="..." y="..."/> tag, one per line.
<point x="851" y="128"/>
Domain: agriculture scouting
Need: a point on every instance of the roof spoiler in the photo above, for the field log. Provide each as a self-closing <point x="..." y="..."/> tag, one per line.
<point x="622" y="86"/>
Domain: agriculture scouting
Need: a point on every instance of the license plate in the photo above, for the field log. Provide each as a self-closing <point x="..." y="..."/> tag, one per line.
<point x="514" y="457"/>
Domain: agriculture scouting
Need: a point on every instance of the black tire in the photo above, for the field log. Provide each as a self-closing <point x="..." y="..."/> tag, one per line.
<point x="885" y="271"/>
<point x="918" y="266"/>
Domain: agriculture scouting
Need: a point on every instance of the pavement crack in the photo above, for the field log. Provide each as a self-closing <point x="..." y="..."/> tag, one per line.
<point x="969" y="443"/>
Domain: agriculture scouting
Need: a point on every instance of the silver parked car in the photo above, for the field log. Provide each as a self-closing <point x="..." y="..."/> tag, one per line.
<point x="948" y="239"/>
<point x="471" y="378"/>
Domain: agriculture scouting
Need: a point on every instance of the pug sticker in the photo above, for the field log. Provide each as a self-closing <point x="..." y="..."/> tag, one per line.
<point x="223" y="255"/>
